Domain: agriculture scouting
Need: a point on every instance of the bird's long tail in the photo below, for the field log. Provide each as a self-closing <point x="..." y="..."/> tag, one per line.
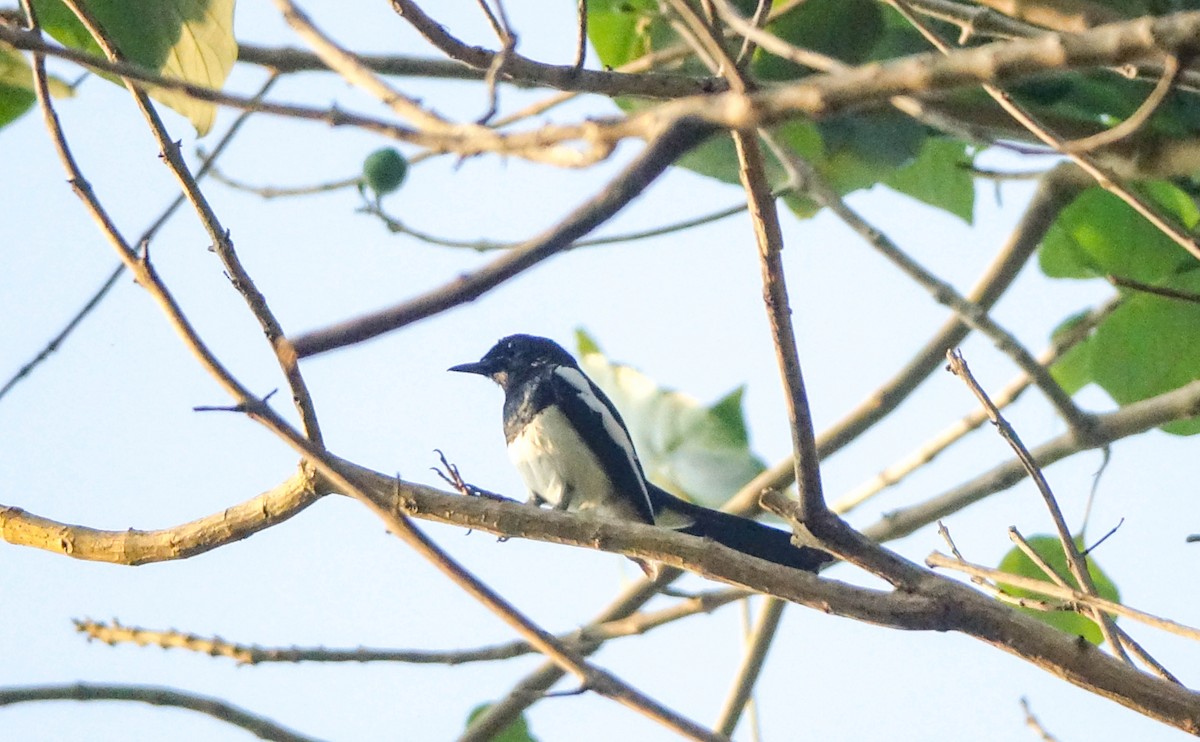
<point x="742" y="534"/>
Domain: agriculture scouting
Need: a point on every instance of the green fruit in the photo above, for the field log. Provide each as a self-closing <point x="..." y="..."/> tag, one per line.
<point x="384" y="170"/>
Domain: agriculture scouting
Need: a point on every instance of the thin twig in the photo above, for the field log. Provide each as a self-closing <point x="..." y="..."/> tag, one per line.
<point x="1043" y="587"/>
<point x="1136" y="119"/>
<point x="1163" y="291"/>
<point x="356" y="73"/>
<point x="1105" y="178"/>
<point x="1075" y="562"/>
<point x="259" y="726"/>
<point x="581" y="38"/>
<point x="806" y="178"/>
<point x="753" y="660"/>
<point x="564" y="77"/>
<point x="1105" y="458"/>
<point x="270" y="192"/>
<point x="1178" y="404"/>
<point x="113" y="633"/>
<point x="631" y="182"/>
<point x="1051" y="574"/>
<point x="992" y="588"/>
<point x="1032" y="722"/>
<point x="222" y="244"/>
<point x="501" y="30"/>
<point x="1004" y="175"/>
<point x="58" y="339"/>
<point x="485" y="245"/>
<point x="927" y="452"/>
<point x="208" y="162"/>
<point x="1126" y="640"/>
<point x="758" y="20"/>
<point x="508" y="46"/>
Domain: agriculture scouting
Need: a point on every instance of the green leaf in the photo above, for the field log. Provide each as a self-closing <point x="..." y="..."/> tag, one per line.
<point x="1098" y="235"/>
<point x="384" y="170"/>
<point x="623" y="30"/>
<point x="851" y="151"/>
<point x="728" y="414"/>
<point x="1150" y="345"/>
<point x="1073" y="369"/>
<point x="692" y="450"/>
<point x="847" y="30"/>
<point x="16" y="85"/>
<point x="940" y="177"/>
<point x="187" y="39"/>
<point x="1049" y="548"/>
<point x="887" y="139"/>
<point x="16" y="72"/>
<point x="585" y="342"/>
<point x="517" y="731"/>
<point x="14" y="102"/>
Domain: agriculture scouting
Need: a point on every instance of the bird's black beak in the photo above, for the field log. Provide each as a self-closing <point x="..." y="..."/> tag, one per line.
<point x="479" y="367"/>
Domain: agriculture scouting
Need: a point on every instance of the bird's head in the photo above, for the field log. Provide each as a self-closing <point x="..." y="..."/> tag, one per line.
<point x="515" y="357"/>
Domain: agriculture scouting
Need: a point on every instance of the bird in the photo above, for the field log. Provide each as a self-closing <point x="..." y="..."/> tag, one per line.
<point x="574" y="453"/>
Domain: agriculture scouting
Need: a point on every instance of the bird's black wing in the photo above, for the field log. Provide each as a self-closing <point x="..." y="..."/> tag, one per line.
<point x="600" y="426"/>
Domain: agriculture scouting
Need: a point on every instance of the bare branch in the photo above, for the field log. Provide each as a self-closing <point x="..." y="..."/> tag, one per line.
<point x="1179" y="404"/>
<point x="956" y="431"/>
<point x="1136" y="119"/>
<point x="971" y="315"/>
<point x="1105" y="177"/>
<point x="816" y="96"/>
<point x="133" y="547"/>
<point x="1063" y="593"/>
<point x="155" y="696"/>
<point x="752" y="664"/>
<point x="1163" y="291"/>
<point x="1075" y="561"/>
<point x="247" y="654"/>
<point x="632" y="181"/>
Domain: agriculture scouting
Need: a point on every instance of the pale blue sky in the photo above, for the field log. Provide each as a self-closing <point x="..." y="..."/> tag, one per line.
<point x="104" y="434"/>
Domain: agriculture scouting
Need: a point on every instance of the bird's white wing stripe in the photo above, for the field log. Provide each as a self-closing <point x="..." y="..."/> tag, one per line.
<point x="616" y="430"/>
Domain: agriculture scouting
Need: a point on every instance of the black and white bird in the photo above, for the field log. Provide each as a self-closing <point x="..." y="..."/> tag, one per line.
<point x="574" y="453"/>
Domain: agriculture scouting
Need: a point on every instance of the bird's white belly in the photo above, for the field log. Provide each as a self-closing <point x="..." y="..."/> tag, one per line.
<point x="557" y="465"/>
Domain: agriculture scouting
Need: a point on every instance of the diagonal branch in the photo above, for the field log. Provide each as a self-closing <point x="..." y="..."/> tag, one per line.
<point x="1075" y="561"/>
<point x="633" y="180"/>
<point x="208" y="163"/>
<point x="1103" y="175"/>
<point x="970" y="314"/>
<point x="401" y="525"/>
<point x="1179" y="404"/>
<point x="955" y="431"/>
<point x="222" y="243"/>
<point x="358" y="74"/>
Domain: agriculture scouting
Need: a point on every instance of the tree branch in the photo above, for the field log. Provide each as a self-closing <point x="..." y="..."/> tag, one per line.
<point x="259" y="726"/>
<point x="632" y="181"/>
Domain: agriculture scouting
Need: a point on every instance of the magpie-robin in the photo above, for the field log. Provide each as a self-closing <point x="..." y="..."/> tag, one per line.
<point x="574" y="452"/>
